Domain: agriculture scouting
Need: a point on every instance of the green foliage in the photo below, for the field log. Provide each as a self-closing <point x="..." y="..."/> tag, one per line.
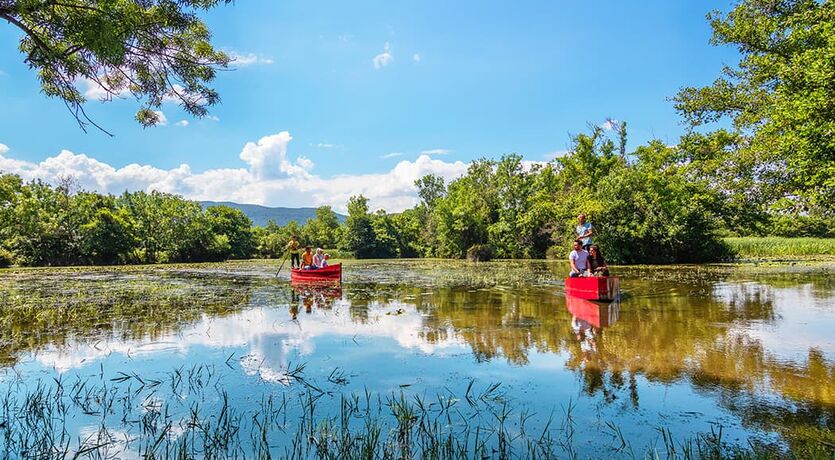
<point x="756" y="247"/>
<point x="794" y="226"/>
<point x="651" y="213"/>
<point x="6" y="258"/>
<point x="480" y="253"/>
<point x="236" y="227"/>
<point x="359" y="236"/>
<point x="153" y="50"/>
<point x="45" y="225"/>
<point x="323" y="230"/>
<point x="780" y="98"/>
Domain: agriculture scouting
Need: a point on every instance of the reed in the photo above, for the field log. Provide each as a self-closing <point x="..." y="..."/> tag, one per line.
<point x="779" y="247"/>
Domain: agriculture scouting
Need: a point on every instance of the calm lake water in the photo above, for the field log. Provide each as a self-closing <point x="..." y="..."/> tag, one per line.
<point x="130" y="361"/>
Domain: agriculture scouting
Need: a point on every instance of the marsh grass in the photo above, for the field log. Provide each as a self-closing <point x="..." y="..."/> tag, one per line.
<point x="188" y="413"/>
<point x="781" y="247"/>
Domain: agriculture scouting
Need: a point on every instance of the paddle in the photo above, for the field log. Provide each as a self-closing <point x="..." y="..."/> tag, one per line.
<point x="282" y="264"/>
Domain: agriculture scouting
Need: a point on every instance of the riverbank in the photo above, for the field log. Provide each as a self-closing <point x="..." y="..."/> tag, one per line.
<point x="775" y="247"/>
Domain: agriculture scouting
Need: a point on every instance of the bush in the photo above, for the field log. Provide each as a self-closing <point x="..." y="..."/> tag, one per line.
<point x="799" y="226"/>
<point x="557" y="252"/>
<point x="479" y="253"/>
<point x="6" y="258"/>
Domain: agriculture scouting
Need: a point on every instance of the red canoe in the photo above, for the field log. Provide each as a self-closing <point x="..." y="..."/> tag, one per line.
<point x="329" y="273"/>
<point x="593" y="287"/>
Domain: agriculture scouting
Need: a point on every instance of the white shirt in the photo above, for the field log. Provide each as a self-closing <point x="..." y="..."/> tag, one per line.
<point x="582" y="229"/>
<point x="580" y="258"/>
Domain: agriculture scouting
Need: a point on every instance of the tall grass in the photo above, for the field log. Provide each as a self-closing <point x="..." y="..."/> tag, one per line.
<point x="776" y="246"/>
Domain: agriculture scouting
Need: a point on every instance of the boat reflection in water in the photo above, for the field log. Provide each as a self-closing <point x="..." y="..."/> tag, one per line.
<point x="589" y="318"/>
<point x="309" y="295"/>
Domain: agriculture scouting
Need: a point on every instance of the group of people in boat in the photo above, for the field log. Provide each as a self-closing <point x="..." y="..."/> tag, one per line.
<point x="308" y="260"/>
<point x="585" y="258"/>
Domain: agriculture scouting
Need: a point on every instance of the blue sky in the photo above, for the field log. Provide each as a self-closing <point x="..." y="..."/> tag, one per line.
<point x="362" y="87"/>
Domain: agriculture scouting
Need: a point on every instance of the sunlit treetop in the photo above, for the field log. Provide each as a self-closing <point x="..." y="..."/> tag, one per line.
<point x="152" y="50"/>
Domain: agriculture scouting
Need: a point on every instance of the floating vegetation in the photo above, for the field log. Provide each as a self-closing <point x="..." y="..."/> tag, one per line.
<point x="225" y="361"/>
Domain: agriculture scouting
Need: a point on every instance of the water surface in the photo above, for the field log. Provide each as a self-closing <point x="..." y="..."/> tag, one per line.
<point x="745" y="351"/>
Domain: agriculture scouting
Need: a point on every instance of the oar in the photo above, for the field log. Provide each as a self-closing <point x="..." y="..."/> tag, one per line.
<point x="282" y="264"/>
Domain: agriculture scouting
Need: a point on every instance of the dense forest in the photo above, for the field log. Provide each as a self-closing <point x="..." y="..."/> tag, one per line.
<point x="757" y="158"/>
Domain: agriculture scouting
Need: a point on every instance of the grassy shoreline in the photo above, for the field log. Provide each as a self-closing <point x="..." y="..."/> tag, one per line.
<point x="780" y="247"/>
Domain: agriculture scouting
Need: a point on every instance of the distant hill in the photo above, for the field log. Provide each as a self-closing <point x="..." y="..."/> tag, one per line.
<point x="260" y="215"/>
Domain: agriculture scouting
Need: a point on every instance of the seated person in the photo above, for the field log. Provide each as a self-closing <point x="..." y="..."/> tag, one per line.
<point x="597" y="263"/>
<point x="325" y="259"/>
<point x="307" y="259"/>
<point x="578" y="259"/>
<point x="319" y="258"/>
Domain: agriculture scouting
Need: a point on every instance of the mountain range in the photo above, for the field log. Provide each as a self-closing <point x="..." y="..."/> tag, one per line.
<point x="260" y="215"/>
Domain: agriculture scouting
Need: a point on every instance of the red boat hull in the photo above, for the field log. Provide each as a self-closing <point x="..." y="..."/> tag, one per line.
<point x="593" y="287"/>
<point x="329" y="273"/>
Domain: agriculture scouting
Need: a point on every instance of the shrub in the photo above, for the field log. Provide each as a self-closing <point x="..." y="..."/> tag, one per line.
<point x="6" y="258"/>
<point x="556" y="252"/>
<point x="479" y="253"/>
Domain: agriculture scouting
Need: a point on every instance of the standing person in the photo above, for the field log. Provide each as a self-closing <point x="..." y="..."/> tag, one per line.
<point x="293" y="248"/>
<point x="584" y="231"/>
<point x="578" y="260"/>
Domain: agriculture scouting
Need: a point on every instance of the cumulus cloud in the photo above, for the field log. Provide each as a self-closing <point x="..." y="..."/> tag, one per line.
<point x="91" y="89"/>
<point x="4" y="148"/>
<point x="182" y="123"/>
<point x="436" y="152"/>
<point x="162" y="120"/>
<point x="248" y="59"/>
<point x="383" y="59"/>
<point x="609" y="124"/>
<point x="271" y="178"/>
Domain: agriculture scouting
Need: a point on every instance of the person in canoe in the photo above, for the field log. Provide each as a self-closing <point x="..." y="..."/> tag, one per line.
<point x="584" y="231"/>
<point x="597" y="264"/>
<point x="325" y="260"/>
<point x="307" y="259"/>
<point x="293" y="247"/>
<point x="578" y="260"/>
<point x="319" y="258"/>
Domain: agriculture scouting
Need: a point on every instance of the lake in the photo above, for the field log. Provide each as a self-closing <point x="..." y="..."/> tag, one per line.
<point x="415" y="358"/>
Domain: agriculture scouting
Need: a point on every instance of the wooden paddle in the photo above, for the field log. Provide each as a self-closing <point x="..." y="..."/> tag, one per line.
<point x="282" y="264"/>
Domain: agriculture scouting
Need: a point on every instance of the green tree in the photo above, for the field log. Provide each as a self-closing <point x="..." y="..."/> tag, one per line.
<point x="236" y="226"/>
<point x="153" y="50"/>
<point x="323" y="230"/>
<point x="358" y="234"/>
<point x="780" y="97"/>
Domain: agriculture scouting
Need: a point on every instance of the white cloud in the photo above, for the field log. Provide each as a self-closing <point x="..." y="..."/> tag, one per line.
<point x="4" y="148"/>
<point x="271" y="179"/>
<point x="436" y="152"/>
<point x="325" y="145"/>
<point x="248" y="59"/>
<point x="391" y="155"/>
<point x="346" y="38"/>
<point x="609" y="124"/>
<point x="91" y="89"/>
<point x="416" y="57"/>
<point x="213" y="118"/>
<point x="162" y="120"/>
<point x="383" y="59"/>
<point x="182" y="123"/>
